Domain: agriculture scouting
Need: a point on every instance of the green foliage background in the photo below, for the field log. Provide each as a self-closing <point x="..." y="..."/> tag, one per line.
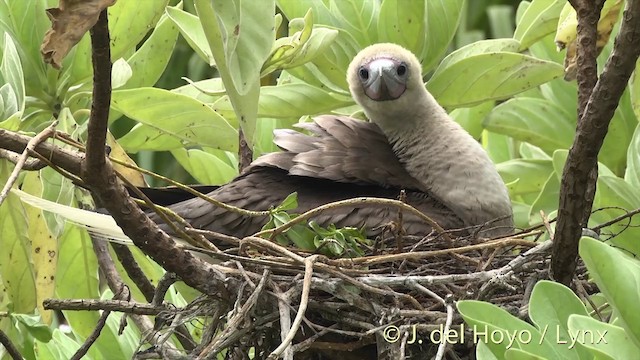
<point x="492" y="64"/>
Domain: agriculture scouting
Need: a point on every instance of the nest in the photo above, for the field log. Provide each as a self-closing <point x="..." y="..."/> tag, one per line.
<point x="277" y="301"/>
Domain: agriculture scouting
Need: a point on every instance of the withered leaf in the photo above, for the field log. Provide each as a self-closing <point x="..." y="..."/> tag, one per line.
<point x="69" y="22"/>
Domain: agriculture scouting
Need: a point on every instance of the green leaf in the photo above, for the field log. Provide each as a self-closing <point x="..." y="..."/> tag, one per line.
<point x="205" y="167"/>
<point x="471" y="118"/>
<point x="499" y="147"/>
<point x="495" y="323"/>
<point x="289" y="101"/>
<point x="403" y="23"/>
<point x="11" y="71"/>
<point x="618" y="278"/>
<point x="443" y="17"/>
<point x="192" y="31"/>
<point x="150" y="60"/>
<point x="60" y="347"/>
<point x="174" y="117"/>
<point x="539" y="20"/>
<point x="34" y="325"/>
<point x="602" y="340"/>
<point x="531" y="175"/>
<point x="289" y="203"/>
<point x="490" y="76"/>
<point x="248" y="34"/>
<point x="632" y="173"/>
<point x="299" y="48"/>
<point x="298" y="8"/>
<point x="478" y="48"/>
<point x="357" y="17"/>
<point x="536" y="121"/>
<point x="547" y="200"/>
<point x="517" y="354"/>
<point x="129" y="23"/>
<point x="26" y="22"/>
<point x="121" y="73"/>
<point x="550" y="308"/>
<point x="15" y="263"/>
<point x="615" y="146"/>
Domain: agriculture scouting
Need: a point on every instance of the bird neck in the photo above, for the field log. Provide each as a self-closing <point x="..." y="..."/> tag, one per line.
<point x="448" y="162"/>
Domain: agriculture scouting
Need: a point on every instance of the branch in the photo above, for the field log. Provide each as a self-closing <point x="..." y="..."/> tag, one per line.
<point x="8" y="345"/>
<point x="127" y="307"/>
<point x="109" y="191"/>
<point x="42" y="136"/>
<point x="590" y="134"/>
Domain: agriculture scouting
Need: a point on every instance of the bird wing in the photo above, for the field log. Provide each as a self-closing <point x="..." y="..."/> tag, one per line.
<point x="340" y="149"/>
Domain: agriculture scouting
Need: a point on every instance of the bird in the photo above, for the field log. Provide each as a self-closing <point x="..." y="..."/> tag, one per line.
<point x="410" y="145"/>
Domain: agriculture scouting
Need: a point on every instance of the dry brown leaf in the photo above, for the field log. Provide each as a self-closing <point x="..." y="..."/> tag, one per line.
<point x="117" y="152"/>
<point x="69" y="22"/>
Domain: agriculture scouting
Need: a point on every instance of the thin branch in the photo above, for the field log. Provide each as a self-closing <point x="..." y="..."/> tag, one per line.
<point x="127" y="307"/>
<point x="102" y="321"/>
<point x="42" y="136"/>
<point x="29" y="165"/>
<point x="304" y="300"/>
<point x="12" y="350"/>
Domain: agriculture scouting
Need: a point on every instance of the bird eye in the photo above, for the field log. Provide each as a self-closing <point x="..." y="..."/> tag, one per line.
<point x="363" y="73"/>
<point x="401" y="70"/>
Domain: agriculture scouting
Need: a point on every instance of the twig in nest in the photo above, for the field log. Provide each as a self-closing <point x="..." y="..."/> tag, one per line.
<point x="42" y="136"/>
<point x="304" y="300"/>
<point x="351" y="203"/>
<point x="102" y="321"/>
<point x="547" y="225"/>
<point x="228" y="336"/>
<point x="128" y="307"/>
<point x="447" y="303"/>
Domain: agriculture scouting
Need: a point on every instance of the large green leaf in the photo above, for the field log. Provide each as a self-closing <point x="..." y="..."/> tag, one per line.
<point x="11" y="73"/>
<point x="298" y="8"/>
<point x="15" y="263"/>
<point x="357" y="17"/>
<point x="602" y="340"/>
<point x="527" y="176"/>
<point x="497" y="325"/>
<point x="248" y="33"/>
<point x="477" y="48"/>
<point x="536" y="121"/>
<point x="618" y="278"/>
<point x="539" y="20"/>
<point x="26" y="21"/>
<point x="129" y="23"/>
<point x="614" y="148"/>
<point x="175" y="116"/>
<point x="191" y="30"/>
<point x="205" y="167"/>
<point x="632" y="173"/>
<point x="290" y="101"/>
<point x="550" y="307"/>
<point x="150" y="60"/>
<point x="443" y="17"/>
<point x="403" y="23"/>
<point x="490" y="76"/>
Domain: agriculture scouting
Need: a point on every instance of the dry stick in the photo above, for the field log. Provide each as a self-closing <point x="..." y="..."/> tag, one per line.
<point x="617" y="219"/>
<point x="355" y="202"/>
<point x="304" y="300"/>
<point x="447" y="304"/>
<point x="42" y="136"/>
<point x="29" y="165"/>
<point x="108" y="268"/>
<point x="513" y="265"/>
<point x="589" y="137"/>
<point x="127" y="307"/>
<point x="285" y="320"/>
<point x="102" y="321"/>
<point x="12" y="350"/>
<point x="225" y="338"/>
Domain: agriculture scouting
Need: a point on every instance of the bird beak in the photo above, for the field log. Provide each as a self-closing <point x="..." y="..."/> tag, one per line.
<point x="384" y="82"/>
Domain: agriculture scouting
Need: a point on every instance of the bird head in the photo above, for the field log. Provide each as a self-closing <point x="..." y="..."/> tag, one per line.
<point x="385" y="79"/>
